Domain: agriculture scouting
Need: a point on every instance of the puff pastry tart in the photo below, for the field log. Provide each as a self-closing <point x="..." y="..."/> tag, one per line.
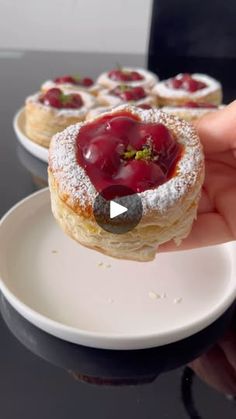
<point x="121" y="94"/>
<point x="74" y="83"/>
<point x="156" y="155"/>
<point x="191" y="111"/>
<point x="186" y="87"/>
<point x="128" y="76"/>
<point x="52" y="111"/>
<point x="98" y="110"/>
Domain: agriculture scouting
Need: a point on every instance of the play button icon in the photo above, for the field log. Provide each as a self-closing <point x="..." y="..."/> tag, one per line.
<point x="117" y="209"/>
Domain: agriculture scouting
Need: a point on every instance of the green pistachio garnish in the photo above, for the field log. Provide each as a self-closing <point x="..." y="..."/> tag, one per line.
<point x="64" y="99"/>
<point x="124" y="87"/>
<point x="144" y="154"/>
<point x="129" y="154"/>
<point x="77" y="77"/>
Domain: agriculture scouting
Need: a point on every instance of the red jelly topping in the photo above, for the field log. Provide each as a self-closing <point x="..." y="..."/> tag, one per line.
<point x="186" y="82"/>
<point x="145" y="106"/>
<point x="128" y="93"/>
<point x="121" y="150"/>
<point x="57" y="99"/>
<point x="123" y="75"/>
<point x="199" y="105"/>
<point x="76" y="80"/>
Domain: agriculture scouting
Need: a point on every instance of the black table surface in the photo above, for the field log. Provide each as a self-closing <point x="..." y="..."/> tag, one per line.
<point x="44" y="377"/>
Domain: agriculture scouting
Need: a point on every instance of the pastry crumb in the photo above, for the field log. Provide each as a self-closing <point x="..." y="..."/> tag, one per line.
<point x="178" y="300"/>
<point x="54" y="251"/>
<point x="103" y="265"/>
<point x="100" y="264"/>
<point x="153" y="295"/>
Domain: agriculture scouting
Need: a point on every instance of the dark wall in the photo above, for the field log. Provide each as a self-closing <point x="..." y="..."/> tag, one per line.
<point x="194" y="35"/>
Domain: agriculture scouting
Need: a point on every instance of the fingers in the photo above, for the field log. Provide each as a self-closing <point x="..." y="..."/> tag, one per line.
<point x="228" y="345"/>
<point x="214" y="368"/>
<point x="209" y="229"/>
<point x="217" y="130"/>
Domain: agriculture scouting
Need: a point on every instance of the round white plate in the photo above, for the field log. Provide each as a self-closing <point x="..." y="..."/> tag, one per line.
<point x="33" y="148"/>
<point x="84" y="297"/>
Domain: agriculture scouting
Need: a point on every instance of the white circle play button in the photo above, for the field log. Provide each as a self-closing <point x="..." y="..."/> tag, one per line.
<point x="117" y="209"/>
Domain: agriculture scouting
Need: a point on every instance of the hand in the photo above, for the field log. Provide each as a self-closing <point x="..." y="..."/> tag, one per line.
<point x="218" y="366"/>
<point x="216" y="221"/>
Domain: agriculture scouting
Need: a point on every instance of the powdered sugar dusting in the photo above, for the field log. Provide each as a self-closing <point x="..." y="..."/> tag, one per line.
<point x="49" y="84"/>
<point x="88" y="103"/>
<point x="112" y="100"/>
<point x="191" y="112"/>
<point x="163" y="90"/>
<point x="149" y="79"/>
<point x="74" y="182"/>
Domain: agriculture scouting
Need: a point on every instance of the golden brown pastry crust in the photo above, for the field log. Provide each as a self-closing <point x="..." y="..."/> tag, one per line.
<point x="42" y="121"/>
<point x="168" y="211"/>
<point x="166" y="96"/>
<point x="190" y="114"/>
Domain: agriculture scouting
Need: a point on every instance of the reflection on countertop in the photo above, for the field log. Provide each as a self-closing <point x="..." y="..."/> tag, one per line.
<point x="112" y="367"/>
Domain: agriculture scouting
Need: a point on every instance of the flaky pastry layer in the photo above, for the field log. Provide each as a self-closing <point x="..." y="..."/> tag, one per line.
<point x="168" y="210"/>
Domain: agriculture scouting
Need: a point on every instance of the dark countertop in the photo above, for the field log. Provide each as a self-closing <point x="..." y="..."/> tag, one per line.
<point x="44" y="377"/>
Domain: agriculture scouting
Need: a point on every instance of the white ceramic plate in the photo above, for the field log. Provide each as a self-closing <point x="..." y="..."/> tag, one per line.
<point x="84" y="297"/>
<point x="33" y="148"/>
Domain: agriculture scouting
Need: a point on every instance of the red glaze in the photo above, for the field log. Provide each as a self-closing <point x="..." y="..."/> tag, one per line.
<point x="199" y="105"/>
<point x="76" y="80"/>
<point x="186" y="82"/>
<point x="128" y="93"/>
<point x="57" y="99"/>
<point x="112" y="150"/>
<point x="145" y="106"/>
<point x="123" y="75"/>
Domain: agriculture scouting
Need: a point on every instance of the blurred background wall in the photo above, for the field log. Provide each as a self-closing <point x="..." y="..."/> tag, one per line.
<point x="75" y="25"/>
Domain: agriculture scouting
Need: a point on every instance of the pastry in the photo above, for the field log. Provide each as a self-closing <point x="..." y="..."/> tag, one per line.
<point x="121" y="94"/>
<point x="51" y="112"/>
<point x="128" y="76"/>
<point x="191" y="111"/>
<point x="185" y="87"/>
<point x="156" y="155"/>
<point x="98" y="110"/>
<point x="75" y="82"/>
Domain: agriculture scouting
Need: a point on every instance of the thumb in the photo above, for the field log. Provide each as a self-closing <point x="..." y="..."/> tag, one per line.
<point x="217" y="130"/>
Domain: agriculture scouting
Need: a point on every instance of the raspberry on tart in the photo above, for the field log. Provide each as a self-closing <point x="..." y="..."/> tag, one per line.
<point x="124" y="93"/>
<point x="72" y="82"/>
<point x="129" y="93"/>
<point x="75" y="80"/>
<point x="188" y="88"/>
<point x="186" y="82"/>
<point x="52" y="111"/>
<point x="128" y="76"/>
<point x="58" y="99"/>
<point x="155" y="154"/>
<point x="121" y="75"/>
